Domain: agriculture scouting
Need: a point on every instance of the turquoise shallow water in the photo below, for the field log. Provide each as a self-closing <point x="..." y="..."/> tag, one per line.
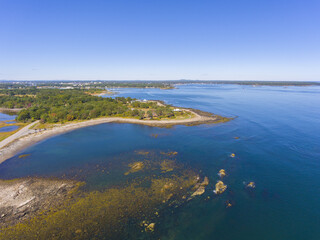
<point x="278" y="148"/>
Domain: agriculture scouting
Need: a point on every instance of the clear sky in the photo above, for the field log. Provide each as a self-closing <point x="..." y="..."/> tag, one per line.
<point x="160" y="39"/>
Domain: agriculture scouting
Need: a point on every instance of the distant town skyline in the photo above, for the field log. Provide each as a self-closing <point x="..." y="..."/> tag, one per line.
<point x="160" y="40"/>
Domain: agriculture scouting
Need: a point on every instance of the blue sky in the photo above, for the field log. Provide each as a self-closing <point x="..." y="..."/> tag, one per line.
<point x="160" y="39"/>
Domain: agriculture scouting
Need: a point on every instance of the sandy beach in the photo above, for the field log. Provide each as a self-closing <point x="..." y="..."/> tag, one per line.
<point x="27" y="137"/>
<point x="13" y="110"/>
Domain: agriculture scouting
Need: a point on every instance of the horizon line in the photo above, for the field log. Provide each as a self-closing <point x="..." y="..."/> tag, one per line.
<point x="199" y="80"/>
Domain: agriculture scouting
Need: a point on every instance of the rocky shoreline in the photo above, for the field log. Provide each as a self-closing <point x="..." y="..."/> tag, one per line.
<point x="21" y="199"/>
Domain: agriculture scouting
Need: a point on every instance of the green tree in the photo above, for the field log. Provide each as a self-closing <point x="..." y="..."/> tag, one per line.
<point x="23" y="115"/>
<point x="150" y="114"/>
<point x="141" y="115"/>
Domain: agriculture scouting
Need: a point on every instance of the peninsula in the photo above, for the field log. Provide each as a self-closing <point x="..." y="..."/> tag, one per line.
<point x="47" y="112"/>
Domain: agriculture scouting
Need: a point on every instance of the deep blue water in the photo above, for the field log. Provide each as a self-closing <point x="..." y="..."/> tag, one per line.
<point x="278" y="148"/>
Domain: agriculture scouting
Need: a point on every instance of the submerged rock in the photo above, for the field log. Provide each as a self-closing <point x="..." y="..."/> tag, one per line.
<point x="106" y="213"/>
<point x="172" y="153"/>
<point x="222" y="173"/>
<point x="135" y="167"/>
<point x="251" y="185"/>
<point x="201" y="187"/>
<point x="166" y="187"/>
<point x="228" y="204"/>
<point x="167" y="165"/>
<point x="205" y="181"/>
<point x="24" y="155"/>
<point x="220" y="187"/>
<point x="169" y="153"/>
<point x="142" y="152"/>
<point x="148" y="227"/>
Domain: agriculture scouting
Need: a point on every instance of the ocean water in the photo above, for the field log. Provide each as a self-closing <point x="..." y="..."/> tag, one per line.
<point x="278" y="147"/>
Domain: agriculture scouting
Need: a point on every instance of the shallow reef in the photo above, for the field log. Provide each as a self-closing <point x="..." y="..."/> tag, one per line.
<point x="135" y="167"/>
<point x="170" y="154"/>
<point x="24" y="155"/>
<point x="200" y="188"/>
<point x="142" y="152"/>
<point x="115" y="212"/>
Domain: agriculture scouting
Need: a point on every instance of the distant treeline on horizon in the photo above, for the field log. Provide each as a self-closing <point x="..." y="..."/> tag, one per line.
<point x="163" y="84"/>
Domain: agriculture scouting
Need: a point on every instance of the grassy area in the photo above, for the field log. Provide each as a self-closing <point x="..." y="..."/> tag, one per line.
<point x="50" y="125"/>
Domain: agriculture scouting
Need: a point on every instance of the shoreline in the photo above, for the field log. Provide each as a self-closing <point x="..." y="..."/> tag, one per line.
<point x="10" y="110"/>
<point x="23" y="198"/>
<point x="30" y="137"/>
<point x="103" y="93"/>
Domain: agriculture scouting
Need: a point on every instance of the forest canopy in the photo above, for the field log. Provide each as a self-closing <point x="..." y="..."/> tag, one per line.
<point x="56" y="105"/>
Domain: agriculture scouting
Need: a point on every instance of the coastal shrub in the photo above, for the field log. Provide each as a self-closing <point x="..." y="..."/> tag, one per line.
<point x="55" y="105"/>
<point x="23" y="115"/>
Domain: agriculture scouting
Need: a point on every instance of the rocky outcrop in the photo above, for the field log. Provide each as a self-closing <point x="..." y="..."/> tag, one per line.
<point x="23" y="198"/>
<point x="201" y="187"/>
<point x="220" y="187"/>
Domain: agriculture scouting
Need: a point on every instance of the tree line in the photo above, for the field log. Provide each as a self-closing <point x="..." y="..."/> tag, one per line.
<point x="55" y="105"/>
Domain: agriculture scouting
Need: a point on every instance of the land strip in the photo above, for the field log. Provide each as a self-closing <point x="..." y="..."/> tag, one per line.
<point x="27" y="136"/>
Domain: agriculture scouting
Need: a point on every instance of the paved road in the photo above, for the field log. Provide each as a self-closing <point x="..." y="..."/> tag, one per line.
<point x="23" y="131"/>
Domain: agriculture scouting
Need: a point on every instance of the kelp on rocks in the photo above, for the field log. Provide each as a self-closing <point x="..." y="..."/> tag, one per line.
<point x="141" y="152"/>
<point x="222" y="173"/>
<point x="201" y="187"/>
<point x="170" y="154"/>
<point x="220" y="187"/>
<point x="135" y="167"/>
<point x="114" y="213"/>
<point x="251" y="185"/>
<point x="24" y="155"/>
<point x="167" y="165"/>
